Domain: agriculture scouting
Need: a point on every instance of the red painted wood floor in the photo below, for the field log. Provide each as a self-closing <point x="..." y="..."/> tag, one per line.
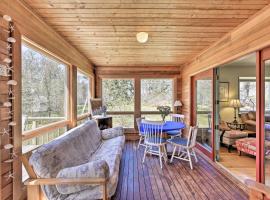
<point x="174" y="181"/>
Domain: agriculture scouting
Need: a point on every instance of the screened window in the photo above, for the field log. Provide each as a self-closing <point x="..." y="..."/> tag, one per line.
<point x="247" y="94"/>
<point x="156" y="92"/>
<point x="83" y="93"/>
<point x="44" y="89"/>
<point x="118" y="96"/>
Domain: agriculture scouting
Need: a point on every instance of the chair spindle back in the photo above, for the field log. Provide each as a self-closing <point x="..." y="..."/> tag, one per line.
<point x="192" y="135"/>
<point x="153" y="131"/>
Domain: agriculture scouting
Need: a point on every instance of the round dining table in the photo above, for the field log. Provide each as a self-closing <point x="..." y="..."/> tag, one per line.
<point x="170" y="126"/>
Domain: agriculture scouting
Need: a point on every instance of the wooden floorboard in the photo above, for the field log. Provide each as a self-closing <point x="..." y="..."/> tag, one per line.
<point x="140" y="181"/>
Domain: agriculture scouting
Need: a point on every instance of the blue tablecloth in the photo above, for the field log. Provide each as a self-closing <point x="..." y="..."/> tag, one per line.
<point x="170" y="126"/>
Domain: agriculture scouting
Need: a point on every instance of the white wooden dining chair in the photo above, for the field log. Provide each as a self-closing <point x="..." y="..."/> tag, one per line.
<point x="141" y="134"/>
<point x="186" y="146"/>
<point x="153" y="140"/>
<point x="176" y="118"/>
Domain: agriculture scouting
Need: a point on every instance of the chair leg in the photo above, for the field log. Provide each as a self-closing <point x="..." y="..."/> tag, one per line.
<point x="179" y="151"/>
<point x="189" y="158"/>
<point x="195" y="156"/>
<point x="145" y="151"/>
<point x="165" y="155"/>
<point x="160" y="156"/>
<point x="174" y="149"/>
<point x="139" y="142"/>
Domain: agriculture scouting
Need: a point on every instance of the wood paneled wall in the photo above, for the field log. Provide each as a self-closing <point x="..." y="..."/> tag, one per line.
<point x="35" y="29"/>
<point x="10" y="186"/>
<point x="252" y="35"/>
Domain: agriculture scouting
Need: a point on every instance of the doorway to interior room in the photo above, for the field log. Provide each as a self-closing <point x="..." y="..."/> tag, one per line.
<point x="236" y="117"/>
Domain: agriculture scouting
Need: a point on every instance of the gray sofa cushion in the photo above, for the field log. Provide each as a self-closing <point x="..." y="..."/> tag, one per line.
<point x="111" y="152"/>
<point x="112" y="132"/>
<point x="94" y="169"/>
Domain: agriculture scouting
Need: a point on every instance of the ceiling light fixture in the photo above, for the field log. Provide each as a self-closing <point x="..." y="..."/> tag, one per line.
<point x="142" y="37"/>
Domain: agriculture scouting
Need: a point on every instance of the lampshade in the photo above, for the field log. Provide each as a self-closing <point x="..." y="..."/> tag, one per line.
<point x="142" y="37"/>
<point x="235" y="103"/>
<point x="177" y="103"/>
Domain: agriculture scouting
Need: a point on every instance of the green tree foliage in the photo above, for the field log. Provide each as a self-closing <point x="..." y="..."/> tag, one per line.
<point x="43" y="86"/>
<point x="118" y="95"/>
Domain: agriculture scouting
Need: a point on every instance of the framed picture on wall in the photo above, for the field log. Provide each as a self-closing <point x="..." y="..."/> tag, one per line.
<point x="224" y="91"/>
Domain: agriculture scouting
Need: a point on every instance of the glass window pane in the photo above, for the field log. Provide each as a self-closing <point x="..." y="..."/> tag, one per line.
<point x="83" y="93"/>
<point x="203" y="112"/>
<point x="118" y="94"/>
<point x="43" y="89"/>
<point x="247" y="95"/>
<point x="127" y="121"/>
<point x="156" y="92"/>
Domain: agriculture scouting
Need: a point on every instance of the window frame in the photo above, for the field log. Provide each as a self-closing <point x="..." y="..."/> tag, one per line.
<point x="120" y="112"/>
<point x="137" y="86"/>
<point x="173" y="95"/>
<point x="90" y="78"/>
<point x="26" y="135"/>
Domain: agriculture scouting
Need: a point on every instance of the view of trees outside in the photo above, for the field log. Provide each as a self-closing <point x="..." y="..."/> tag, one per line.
<point x="83" y="93"/>
<point x="204" y="102"/>
<point x="43" y="89"/>
<point x="156" y="92"/>
<point x="247" y="95"/>
<point x="118" y="95"/>
<point x="126" y="121"/>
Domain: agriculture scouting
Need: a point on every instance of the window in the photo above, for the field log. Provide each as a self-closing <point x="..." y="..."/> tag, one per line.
<point x="156" y="92"/>
<point x="83" y="93"/>
<point x="247" y="93"/>
<point x="118" y="96"/>
<point x="44" y="89"/>
<point x="203" y="102"/>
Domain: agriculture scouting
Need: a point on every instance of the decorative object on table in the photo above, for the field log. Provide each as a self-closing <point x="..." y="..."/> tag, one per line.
<point x="164" y="111"/>
<point x="186" y="146"/>
<point x="235" y="103"/>
<point x="96" y="104"/>
<point x="224" y="91"/>
<point x="177" y="104"/>
<point x="7" y="70"/>
<point x="103" y="110"/>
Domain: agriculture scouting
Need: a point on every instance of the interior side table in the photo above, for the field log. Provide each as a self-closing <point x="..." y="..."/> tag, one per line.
<point x="103" y="122"/>
<point x="236" y="126"/>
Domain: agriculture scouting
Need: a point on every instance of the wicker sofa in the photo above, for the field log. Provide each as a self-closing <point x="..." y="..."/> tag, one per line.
<point x="83" y="155"/>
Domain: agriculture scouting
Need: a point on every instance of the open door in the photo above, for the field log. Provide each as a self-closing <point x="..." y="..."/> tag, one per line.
<point x="263" y="117"/>
<point x="202" y="110"/>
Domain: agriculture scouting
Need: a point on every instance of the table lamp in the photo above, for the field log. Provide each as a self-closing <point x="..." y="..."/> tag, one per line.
<point x="177" y="104"/>
<point x="235" y="103"/>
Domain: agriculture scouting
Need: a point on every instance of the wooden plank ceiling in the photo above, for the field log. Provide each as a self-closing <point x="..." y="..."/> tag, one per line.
<point x="105" y="31"/>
